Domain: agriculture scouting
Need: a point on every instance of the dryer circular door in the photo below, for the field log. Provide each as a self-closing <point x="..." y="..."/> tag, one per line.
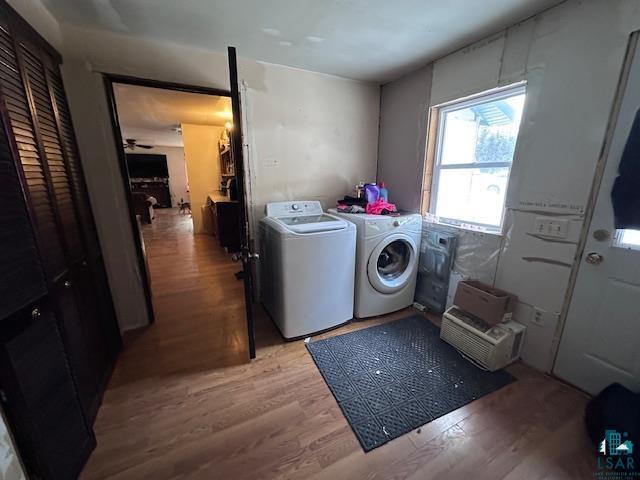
<point x="392" y="263"/>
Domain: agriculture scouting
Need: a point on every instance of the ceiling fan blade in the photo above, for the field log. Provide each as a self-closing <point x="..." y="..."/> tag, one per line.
<point x="144" y="146"/>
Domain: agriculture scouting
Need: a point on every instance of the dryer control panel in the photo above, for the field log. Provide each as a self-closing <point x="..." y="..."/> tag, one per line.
<point x="294" y="208"/>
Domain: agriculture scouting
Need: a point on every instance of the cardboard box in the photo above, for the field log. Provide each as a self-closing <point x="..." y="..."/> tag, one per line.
<point x="487" y="303"/>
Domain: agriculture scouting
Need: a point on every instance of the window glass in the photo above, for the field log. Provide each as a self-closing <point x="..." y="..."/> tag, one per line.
<point x="472" y="195"/>
<point x="628" y="238"/>
<point x="483" y="133"/>
<point x="472" y="133"/>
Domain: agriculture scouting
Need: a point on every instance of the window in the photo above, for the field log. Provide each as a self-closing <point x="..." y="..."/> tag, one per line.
<point x="627" y="238"/>
<point x="474" y="145"/>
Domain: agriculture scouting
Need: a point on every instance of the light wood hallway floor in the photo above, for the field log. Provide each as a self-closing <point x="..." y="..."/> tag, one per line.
<point x="184" y="403"/>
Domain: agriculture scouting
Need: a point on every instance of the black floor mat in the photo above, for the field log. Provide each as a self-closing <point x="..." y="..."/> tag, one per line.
<point x="392" y="378"/>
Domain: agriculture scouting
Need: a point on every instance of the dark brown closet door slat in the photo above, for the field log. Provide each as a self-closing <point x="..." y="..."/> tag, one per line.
<point x="53" y="151"/>
<point x="16" y="103"/>
<point x="74" y="168"/>
<point x="22" y="278"/>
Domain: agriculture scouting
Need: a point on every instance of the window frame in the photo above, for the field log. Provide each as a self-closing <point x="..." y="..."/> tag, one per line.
<point x="438" y="115"/>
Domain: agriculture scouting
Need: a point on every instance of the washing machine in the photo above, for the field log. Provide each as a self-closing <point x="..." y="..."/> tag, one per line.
<point x="387" y="254"/>
<point x="307" y="268"/>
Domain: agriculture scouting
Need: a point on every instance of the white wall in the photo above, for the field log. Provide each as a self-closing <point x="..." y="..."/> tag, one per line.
<point x="310" y="136"/>
<point x="87" y="101"/>
<point x="404" y="108"/>
<point x="203" y="167"/>
<point x="10" y="465"/>
<point x="571" y="57"/>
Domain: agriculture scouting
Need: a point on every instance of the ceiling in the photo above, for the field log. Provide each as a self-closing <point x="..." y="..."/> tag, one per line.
<point x="151" y="115"/>
<point x="371" y="40"/>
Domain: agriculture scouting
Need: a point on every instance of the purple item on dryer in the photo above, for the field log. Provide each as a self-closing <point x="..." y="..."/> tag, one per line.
<point x="371" y="192"/>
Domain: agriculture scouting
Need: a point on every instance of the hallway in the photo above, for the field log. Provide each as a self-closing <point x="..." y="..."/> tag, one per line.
<point x="198" y="304"/>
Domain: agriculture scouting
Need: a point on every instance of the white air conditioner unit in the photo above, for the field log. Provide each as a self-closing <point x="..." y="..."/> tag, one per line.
<point x="492" y="347"/>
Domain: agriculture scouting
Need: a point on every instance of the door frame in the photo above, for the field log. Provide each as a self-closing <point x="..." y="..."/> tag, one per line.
<point x="244" y="202"/>
<point x="632" y="45"/>
<point x="109" y="80"/>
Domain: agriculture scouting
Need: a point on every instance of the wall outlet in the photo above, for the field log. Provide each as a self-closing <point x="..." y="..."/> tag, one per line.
<point x="551" y="227"/>
<point x="270" y="162"/>
<point x="538" y="317"/>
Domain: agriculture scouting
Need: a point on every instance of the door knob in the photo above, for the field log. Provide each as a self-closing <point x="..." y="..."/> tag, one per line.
<point x="594" y="258"/>
<point x="67" y="284"/>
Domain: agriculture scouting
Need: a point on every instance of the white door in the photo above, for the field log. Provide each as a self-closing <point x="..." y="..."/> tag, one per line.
<point x="600" y="343"/>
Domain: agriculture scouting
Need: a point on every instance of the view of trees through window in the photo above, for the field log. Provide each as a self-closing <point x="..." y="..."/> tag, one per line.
<point x="494" y="145"/>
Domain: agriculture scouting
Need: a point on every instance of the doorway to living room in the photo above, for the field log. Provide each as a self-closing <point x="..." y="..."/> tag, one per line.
<point x="179" y="172"/>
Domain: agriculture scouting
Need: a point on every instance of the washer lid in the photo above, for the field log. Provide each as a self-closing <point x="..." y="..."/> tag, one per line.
<point x="392" y="263"/>
<point x="312" y="223"/>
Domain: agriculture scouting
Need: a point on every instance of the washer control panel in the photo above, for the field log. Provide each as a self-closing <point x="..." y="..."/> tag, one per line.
<point x="294" y="208"/>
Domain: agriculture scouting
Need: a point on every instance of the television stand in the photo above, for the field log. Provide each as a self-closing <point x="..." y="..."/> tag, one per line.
<point x="155" y="187"/>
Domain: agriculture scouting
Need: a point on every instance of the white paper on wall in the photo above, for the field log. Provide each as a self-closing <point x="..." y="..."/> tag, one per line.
<point x="10" y="466"/>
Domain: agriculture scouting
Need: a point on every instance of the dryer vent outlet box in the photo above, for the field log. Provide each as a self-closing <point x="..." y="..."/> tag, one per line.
<point x="492" y="347"/>
<point x="436" y="258"/>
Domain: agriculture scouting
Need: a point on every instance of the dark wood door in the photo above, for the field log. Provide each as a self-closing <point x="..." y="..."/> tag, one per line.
<point x="22" y="278"/>
<point x="89" y="273"/>
<point x="238" y="159"/>
<point x="77" y="331"/>
<point x="23" y="135"/>
<point x="48" y="141"/>
<point x="39" y="395"/>
<point x="38" y="116"/>
<point x="58" y="332"/>
<point x="38" y="389"/>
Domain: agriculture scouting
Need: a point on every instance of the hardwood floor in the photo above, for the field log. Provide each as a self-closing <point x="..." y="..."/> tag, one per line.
<point x="197" y="301"/>
<point x="183" y="403"/>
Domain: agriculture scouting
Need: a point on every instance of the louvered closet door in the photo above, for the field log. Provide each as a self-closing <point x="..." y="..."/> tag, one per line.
<point x="81" y="355"/>
<point x="22" y="128"/>
<point x="91" y="278"/>
<point x="95" y="309"/>
<point x="22" y="278"/>
<point x="53" y="435"/>
<point x="40" y="394"/>
<point x="50" y="141"/>
<point x="74" y="168"/>
<point x="79" y="313"/>
<point x="41" y="123"/>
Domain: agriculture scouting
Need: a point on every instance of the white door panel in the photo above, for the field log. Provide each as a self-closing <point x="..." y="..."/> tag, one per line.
<point x="600" y="343"/>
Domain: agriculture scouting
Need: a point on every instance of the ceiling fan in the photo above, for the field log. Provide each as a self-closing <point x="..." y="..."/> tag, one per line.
<point x="131" y="144"/>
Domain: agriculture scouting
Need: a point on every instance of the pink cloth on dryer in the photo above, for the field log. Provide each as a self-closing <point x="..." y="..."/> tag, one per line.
<point x="380" y="207"/>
